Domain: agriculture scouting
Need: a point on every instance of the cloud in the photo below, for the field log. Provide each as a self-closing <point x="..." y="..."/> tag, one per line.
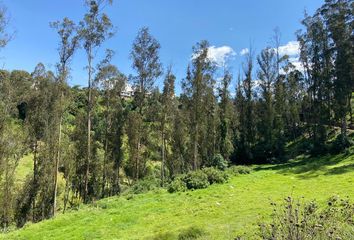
<point x="220" y="55"/>
<point x="244" y="51"/>
<point x="292" y="48"/>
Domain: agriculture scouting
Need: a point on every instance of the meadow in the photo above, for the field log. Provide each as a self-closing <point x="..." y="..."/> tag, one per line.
<point x="221" y="211"/>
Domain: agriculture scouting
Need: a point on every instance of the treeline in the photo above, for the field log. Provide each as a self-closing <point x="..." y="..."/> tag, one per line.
<point x="98" y="140"/>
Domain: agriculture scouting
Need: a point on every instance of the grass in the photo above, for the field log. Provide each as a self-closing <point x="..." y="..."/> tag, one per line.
<point x="24" y="168"/>
<point x="222" y="211"/>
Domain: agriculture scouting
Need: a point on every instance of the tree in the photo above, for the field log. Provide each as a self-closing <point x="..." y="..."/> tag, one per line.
<point x="248" y="122"/>
<point x="338" y="16"/>
<point x="146" y="62"/>
<point x="267" y="75"/>
<point x="225" y="134"/>
<point x="166" y="118"/>
<point x="197" y="86"/>
<point x="315" y="55"/>
<point x="67" y="46"/>
<point x="112" y="83"/>
<point x="94" y="29"/>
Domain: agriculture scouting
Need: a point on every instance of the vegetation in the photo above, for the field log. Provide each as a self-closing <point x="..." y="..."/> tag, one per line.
<point x="221" y="211"/>
<point x="62" y="146"/>
<point x="298" y="220"/>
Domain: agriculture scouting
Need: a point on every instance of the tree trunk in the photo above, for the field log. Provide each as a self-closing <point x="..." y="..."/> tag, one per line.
<point x="137" y="163"/>
<point x="34" y="178"/>
<point x="195" y="152"/>
<point x="104" y="166"/>
<point x="57" y="160"/>
<point x="163" y="158"/>
<point x="66" y="193"/>
<point x="88" y="156"/>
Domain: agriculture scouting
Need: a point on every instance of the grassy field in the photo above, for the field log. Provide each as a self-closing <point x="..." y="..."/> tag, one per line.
<point x="221" y="211"/>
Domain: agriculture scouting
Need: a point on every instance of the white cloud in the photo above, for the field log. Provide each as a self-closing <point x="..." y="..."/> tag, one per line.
<point x="244" y="51"/>
<point x="220" y="55"/>
<point x="292" y="48"/>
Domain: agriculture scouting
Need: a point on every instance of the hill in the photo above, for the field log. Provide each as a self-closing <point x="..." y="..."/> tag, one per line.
<point x="221" y="211"/>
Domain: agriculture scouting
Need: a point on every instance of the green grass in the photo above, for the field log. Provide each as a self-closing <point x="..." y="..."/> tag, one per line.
<point x="24" y="168"/>
<point x="219" y="212"/>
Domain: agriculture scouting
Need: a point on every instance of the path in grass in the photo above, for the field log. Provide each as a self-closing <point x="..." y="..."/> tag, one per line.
<point x="223" y="211"/>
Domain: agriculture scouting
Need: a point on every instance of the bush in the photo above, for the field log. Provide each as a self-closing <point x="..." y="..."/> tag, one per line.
<point x="218" y="162"/>
<point x="191" y="233"/>
<point x="215" y="176"/>
<point x="236" y="170"/>
<point x="196" y="180"/>
<point x="145" y="185"/>
<point x="177" y="185"/>
<point x="297" y="220"/>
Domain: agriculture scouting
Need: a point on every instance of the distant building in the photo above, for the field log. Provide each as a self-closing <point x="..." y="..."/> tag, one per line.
<point x="128" y="91"/>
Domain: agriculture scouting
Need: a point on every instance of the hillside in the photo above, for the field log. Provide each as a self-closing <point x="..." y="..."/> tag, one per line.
<point x="221" y="211"/>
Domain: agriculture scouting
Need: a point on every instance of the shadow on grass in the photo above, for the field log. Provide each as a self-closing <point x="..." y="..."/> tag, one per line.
<point x="308" y="167"/>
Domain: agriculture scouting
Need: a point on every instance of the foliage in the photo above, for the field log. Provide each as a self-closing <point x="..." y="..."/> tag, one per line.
<point x="219" y="162"/>
<point x="145" y="185"/>
<point x="236" y="170"/>
<point x="215" y="176"/>
<point x="177" y="185"/>
<point x="298" y="220"/>
<point x="196" y="180"/>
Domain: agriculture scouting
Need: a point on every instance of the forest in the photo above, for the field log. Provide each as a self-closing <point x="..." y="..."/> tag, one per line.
<point x="125" y="133"/>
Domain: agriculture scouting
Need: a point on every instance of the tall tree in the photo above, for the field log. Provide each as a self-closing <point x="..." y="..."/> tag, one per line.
<point x="225" y="115"/>
<point x="314" y="54"/>
<point x="167" y="116"/>
<point x="94" y="29"/>
<point x="338" y="16"/>
<point x="249" y="123"/>
<point x="68" y="44"/>
<point x="112" y="83"/>
<point x="146" y="62"/>
<point x="197" y="86"/>
<point x="267" y="74"/>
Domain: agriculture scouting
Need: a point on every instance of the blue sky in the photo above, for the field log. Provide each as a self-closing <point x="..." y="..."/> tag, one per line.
<point x="229" y="26"/>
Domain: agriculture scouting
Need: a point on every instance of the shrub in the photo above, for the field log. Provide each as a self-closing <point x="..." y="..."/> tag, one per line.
<point x="236" y="170"/>
<point x="218" y="162"/>
<point x="145" y="185"/>
<point x="297" y="220"/>
<point x="215" y="176"/>
<point x="191" y="233"/>
<point x="177" y="185"/>
<point x="196" y="180"/>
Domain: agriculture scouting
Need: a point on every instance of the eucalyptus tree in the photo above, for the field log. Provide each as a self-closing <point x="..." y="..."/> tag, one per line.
<point x="168" y="109"/>
<point x="196" y="87"/>
<point x="68" y="44"/>
<point x="94" y="29"/>
<point x="315" y="55"/>
<point x="338" y="18"/>
<point x="225" y="115"/>
<point x="267" y="74"/>
<point x="112" y="83"/>
<point x="248" y="127"/>
<point x="146" y="63"/>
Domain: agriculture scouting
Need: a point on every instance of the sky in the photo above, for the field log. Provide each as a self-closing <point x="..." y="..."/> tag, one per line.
<point x="230" y="26"/>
